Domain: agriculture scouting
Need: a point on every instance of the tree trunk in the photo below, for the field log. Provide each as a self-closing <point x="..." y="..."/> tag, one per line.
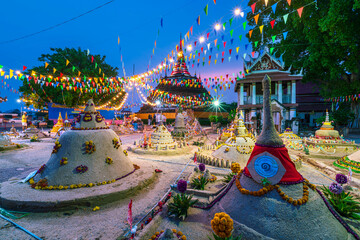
<point x="355" y="107"/>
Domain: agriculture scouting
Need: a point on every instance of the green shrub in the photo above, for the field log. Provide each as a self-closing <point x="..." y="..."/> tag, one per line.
<point x="180" y="205"/>
<point x="228" y="177"/>
<point x="215" y="237"/>
<point x="344" y="203"/>
<point x="199" y="183"/>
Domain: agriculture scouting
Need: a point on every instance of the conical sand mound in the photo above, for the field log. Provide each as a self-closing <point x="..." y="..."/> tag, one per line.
<point x="271" y="200"/>
<point x="89" y="153"/>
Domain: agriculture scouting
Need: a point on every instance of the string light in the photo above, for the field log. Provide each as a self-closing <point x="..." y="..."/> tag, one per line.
<point x="189" y="47"/>
<point x="217" y="27"/>
<point x="201" y="39"/>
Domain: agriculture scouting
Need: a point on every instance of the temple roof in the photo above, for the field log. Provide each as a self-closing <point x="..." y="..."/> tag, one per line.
<point x="180" y="69"/>
<point x="264" y="61"/>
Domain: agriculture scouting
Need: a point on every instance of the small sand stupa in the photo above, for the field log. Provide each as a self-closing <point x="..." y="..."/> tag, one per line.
<point x="58" y="125"/>
<point x="238" y="147"/>
<point x="161" y="138"/>
<point x="271" y="200"/>
<point x="89" y="153"/>
<point x="179" y="127"/>
<point x="5" y="140"/>
<point x="327" y="130"/>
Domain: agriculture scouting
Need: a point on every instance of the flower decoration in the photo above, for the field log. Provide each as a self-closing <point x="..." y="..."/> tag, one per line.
<point x="202" y="167"/>
<point x="42" y="183"/>
<point x="109" y="160"/>
<point x="235" y="167"/>
<point x="125" y="152"/>
<point x="56" y="147"/>
<point x="341" y="179"/>
<point x="90" y="147"/>
<point x="78" y="118"/>
<point x="87" y="117"/>
<point x="222" y="225"/>
<point x="99" y="118"/>
<point x="81" y="169"/>
<point x="335" y="188"/>
<point x="116" y="143"/>
<point x="63" y="161"/>
<point x="96" y="208"/>
<point x="227" y="149"/>
<point x="181" y="185"/>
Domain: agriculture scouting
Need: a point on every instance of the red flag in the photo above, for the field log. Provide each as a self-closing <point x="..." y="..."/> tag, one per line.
<point x="230" y="50"/>
<point x="129" y="218"/>
<point x="191" y="29"/>
<point x="195" y="158"/>
<point x="24" y="68"/>
<point x="207" y="36"/>
<point x="224" y="44"/>
<point x="195" y="43"/>
<point x="272" y="23"/>
<point x="92" y="58"/>
<point x="253" y="7"/>
<point x="214" y="1"/>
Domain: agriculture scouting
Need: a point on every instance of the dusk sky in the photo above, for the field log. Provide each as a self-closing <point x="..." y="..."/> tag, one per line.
<point x="135" y="22"/>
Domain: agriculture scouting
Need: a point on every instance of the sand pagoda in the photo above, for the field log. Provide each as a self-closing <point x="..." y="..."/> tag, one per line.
<point x="58" y="125"/>
<point x="88" y="154"/>
<point x="327" y="130"/>
<point x="161" y="139"/>
<point x="179" y="127"/>
<point x="237" y="147"/>
<point x="271" y="200"/>
<point x="5" y="140"/>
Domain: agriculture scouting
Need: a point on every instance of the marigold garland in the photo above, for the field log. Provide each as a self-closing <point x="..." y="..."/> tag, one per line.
<point x="235" y="167"/>
<point x="56" y="147"/>
<point x="269" y="188"/>
<point x="178" y="234"/>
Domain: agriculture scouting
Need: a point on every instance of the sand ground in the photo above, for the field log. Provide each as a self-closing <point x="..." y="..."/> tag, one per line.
<point x="110" y="221"/>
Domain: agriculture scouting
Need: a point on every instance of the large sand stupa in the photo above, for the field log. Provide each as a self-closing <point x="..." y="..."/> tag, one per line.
<point x="179" y="127"/>
<point x="89" y="153"/>
<point x="161" y="138"/>
<point x="271" y="200"/>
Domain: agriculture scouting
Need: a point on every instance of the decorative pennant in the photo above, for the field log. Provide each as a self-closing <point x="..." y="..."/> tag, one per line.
<point x="250" y="33"/>
<point x="244" y="25"/>
<point x="289" y="2"/>
<point x="285" y="35"/>
<point x="261" y="28"/>
<point x="24" y="68"/>
<point x="231" y="32"/>
<point x="46" y="64"/>
<point x="256" y="43"/>
<point x="198" y="20"/>
<point x="271" y="50"/>
<point x="230" y="21"/>
<point x="256" y="17"/>
<point x="273" y="38"/>
<point x="300" y="10"/>
<point x="274" y="7"/>
<point x="272" y="22"/>
<point x="67" y="62"/>
<point x="253" y="7"/>
<point x="206" y="9"/>
<point x="237" y="50"/>
<point x="286" y="17"/>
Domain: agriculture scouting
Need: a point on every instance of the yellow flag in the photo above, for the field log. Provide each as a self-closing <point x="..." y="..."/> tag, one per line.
<point x="237" y="49"/>
<point x="261" y="28"/>
<point x="79" y="73"/>
<point x="118" y="40"/>
<point x="99" y="70"/>
<point x="46" y="64"/>
<point x="54" y="70"/>
<point x="67" y="62"/>
<point x="2" y="73"/>
<point x="11" y="73"/>
<point x="256" y="17"/>
<point x="215" y="61"/>
<point x="32" y="73"/>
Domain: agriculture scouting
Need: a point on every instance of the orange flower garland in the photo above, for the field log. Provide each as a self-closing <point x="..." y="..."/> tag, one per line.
<point x="222" y="225"/>
<point x="269" y="188"/>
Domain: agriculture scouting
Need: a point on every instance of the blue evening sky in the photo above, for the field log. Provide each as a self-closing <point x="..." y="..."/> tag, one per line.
<point x="137" y="24"/>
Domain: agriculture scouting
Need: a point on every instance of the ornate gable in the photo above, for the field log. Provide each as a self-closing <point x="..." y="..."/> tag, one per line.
<point x="266" y="62"/>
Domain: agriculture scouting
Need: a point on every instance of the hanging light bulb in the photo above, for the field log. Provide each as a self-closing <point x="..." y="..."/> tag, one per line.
<point x="201" y="39"/>
<point x="237" y="11"/>
<point x="217" y="27"/>
<point x="189" y="47"/>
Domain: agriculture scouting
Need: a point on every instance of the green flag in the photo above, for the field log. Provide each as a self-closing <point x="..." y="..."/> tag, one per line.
<point x="244" y="24"/>
<point x="73" y="68"/>
<point x="285" y="17"/>
<point x="231" y="32"/>
<point x="273" y="38"/>
<point x="224" y="24"/>
<point x="230" y="21"/>
<point x="271" y="50"/>
<point x="256" y="43"/>
<point x="206" y="9"/>
<point x="240" y="36"/>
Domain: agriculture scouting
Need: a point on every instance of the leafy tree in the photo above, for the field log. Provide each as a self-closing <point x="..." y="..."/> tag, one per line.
<point x="325" y="42"/>
<point x="82" y="62"/>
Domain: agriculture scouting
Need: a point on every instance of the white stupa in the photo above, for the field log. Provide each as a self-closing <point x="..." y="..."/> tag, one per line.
<point x="161" y="138"/>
